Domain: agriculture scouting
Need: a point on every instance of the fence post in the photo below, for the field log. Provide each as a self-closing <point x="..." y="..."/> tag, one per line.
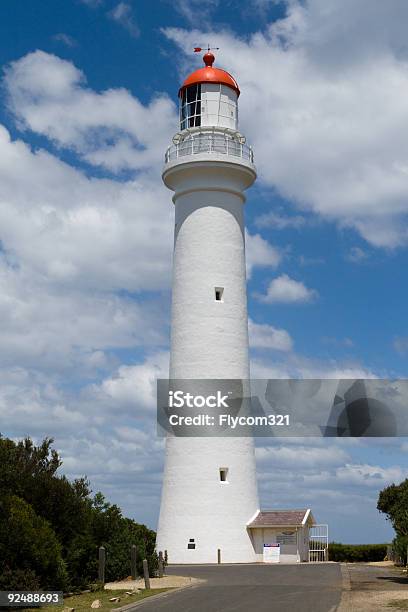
<point x="133" y="561"/>
<point x="160" y="564"/>
<point x="219" y="555"/>
<point x="101" y="564"/>
<point x="146" y="574"/>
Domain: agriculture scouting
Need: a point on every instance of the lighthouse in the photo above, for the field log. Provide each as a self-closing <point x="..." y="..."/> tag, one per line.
<point x="209" y="494"/>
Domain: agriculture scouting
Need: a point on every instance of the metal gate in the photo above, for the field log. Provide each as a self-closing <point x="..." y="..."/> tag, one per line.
<point x="318" y="543"/>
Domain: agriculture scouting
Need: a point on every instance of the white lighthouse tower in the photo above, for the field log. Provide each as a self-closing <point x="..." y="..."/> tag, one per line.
<point x="209" y="487"/>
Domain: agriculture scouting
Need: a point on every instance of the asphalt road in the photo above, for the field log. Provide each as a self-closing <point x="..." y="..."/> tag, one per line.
<point x="257" y="588"/>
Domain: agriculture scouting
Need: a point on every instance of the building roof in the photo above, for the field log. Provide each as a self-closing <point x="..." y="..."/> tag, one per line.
<point x="281" y="518"/>
<point x="209" y="74"/>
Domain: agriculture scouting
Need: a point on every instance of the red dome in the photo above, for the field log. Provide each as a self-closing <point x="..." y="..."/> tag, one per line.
<point x="210" y="75"/>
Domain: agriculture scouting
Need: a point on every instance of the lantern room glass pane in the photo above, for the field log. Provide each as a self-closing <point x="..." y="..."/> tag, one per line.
<point x="190" y="107"/>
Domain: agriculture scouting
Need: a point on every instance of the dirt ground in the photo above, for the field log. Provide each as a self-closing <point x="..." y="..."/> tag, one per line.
<point x="372" y="586"/>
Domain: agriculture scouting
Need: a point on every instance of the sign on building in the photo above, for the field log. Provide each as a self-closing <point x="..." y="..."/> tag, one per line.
<point x="271" y="553"/>
<point x="286" y="537"/>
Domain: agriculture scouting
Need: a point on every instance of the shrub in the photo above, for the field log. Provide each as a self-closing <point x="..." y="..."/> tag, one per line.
<point x="354" y="553"/>
<point x="399" y="545"/>
<point x="18" y="580"/>
<point x="117" y="534"/>
<point x="51" y="528"/>
<point x="30" y="546"/>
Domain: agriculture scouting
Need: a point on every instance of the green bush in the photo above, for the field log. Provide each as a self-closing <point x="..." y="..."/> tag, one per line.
<point x="51" y="528"/>
<point x="393" y="502"/>
<point x="399" y="545"/>
<point x="18" y="580"/>
<point x="117" y="534"/>
<point x="29" y="545"/>
<point x="354" y="553"/>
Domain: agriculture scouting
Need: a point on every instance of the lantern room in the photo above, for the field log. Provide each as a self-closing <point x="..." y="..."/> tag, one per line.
<point x="209" y="98"/>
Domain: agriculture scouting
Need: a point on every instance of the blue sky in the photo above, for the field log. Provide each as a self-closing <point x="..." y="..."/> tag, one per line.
<point x="88" y="107"/>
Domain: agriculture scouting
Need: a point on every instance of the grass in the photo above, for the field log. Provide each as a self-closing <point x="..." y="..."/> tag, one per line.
<point x="82" y="603"/>
<point x="399" y="604"/>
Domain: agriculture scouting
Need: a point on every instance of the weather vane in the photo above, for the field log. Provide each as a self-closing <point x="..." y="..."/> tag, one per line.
<point x="198" y="49"/>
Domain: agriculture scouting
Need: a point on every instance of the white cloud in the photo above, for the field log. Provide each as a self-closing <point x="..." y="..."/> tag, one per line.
<point x="92" y="3"/>
<point x="192" y="10"/>
<point x="112" y="129"/>
<point x="79" y="231"/>
<point x="77" y="251"/>
<point x="327" y="117"/>
<point x="356" y="255"/>
<point x="294" y="365"/>
<point x="288" y="456"/>
<point x="370" y="475"/>
<point x="107" y="431"/>
<point x="30" y="404"/>
<point x="278" y="221"/>
<point x="286" y="290"/>
<point x="259" y="252"/>
<point x="136" y="385"/>
<point x="266" y="336"/>
<point x="50" y="328"/>
<point x="347" y="342"/>
<point x="400" y="344"/>
<point x="310" y="261"/>
<point x="122" y="14"/>
<point x="66" y="39"/>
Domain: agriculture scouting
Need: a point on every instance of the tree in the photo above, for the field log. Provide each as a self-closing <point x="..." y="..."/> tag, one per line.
<point x="37" y="503"/>
<point x="29" y="545"/>
<point x="393" y="501"/>
<point x="30" y="473"/>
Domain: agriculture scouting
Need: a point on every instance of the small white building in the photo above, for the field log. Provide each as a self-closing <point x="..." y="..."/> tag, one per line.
<point x="281" y="535"/>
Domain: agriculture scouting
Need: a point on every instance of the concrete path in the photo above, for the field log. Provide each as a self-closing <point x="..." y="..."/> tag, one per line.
<point x="262" y="588"/>
<point x="167" y="582"/>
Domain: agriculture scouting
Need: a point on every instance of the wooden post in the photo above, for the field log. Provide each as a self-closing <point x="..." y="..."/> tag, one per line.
<point x="133" y="561"/>
<point x="146" y="574"/>
<point x="219" y="555"/>
<point x="160" y="564"/>
<point x="101" y="564"/>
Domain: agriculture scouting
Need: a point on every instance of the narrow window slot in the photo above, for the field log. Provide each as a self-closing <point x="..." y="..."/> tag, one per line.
<point x="223" y="474"/>
<point x="191" y="544"/>
<point x="219" y="292"/>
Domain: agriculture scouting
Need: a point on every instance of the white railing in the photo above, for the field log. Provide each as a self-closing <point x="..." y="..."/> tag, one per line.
<point x="209" y="143"/>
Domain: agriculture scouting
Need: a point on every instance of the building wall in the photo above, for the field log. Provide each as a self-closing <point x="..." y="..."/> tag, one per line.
<point x="209" y="339"/>
<point x="289" y="553"/>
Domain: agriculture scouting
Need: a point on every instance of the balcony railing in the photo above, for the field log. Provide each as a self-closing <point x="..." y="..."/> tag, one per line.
<point x="209" y="143"/>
